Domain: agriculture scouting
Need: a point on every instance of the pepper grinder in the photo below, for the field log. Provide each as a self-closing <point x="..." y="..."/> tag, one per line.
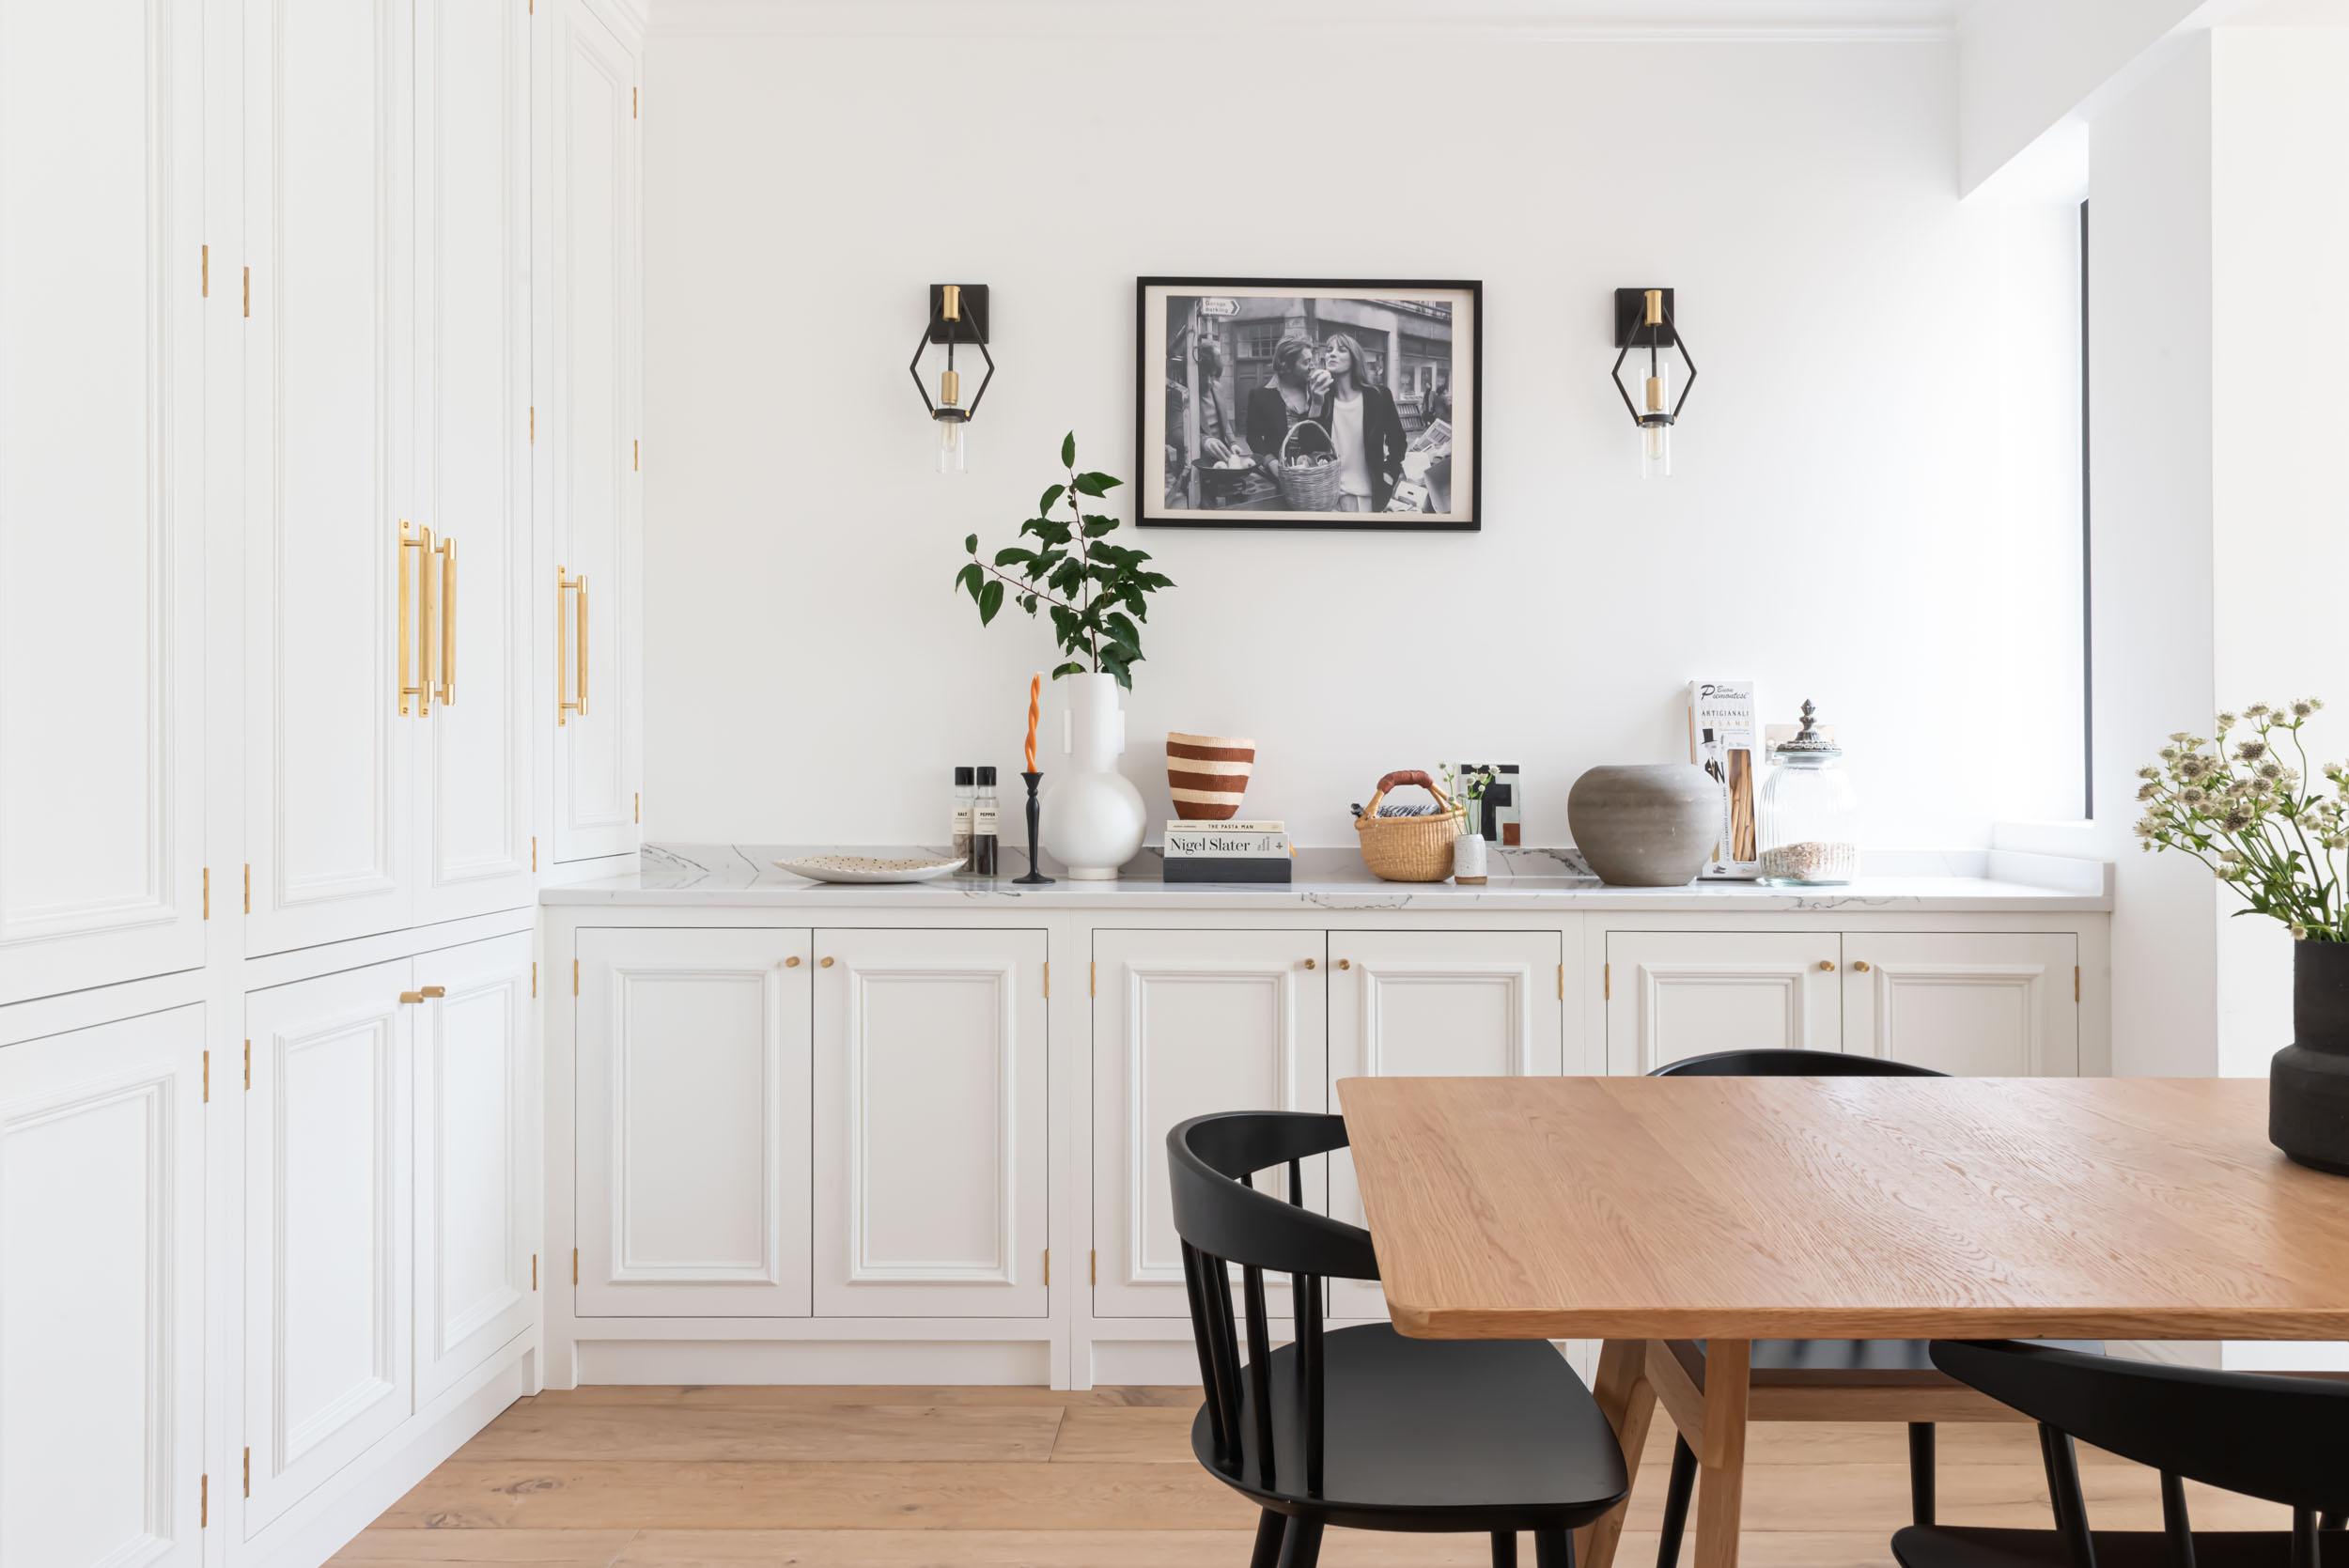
<point x="1034" y="876"/>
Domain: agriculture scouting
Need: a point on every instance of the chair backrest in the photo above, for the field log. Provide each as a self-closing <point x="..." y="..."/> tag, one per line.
<point x="1223" y="1219"/>
<point x="1783" y="1063"/>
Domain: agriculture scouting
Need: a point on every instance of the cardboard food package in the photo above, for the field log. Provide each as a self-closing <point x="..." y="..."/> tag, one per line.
<point x="1724" y="741"/>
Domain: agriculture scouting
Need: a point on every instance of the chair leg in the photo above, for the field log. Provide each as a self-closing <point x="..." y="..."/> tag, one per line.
<point x="1553" y="1548"/>
<point x="1920" y="1474"/>
<point x="1504" y="1549"/>
<point x="1300" y="1544"/>
<point x="1676" y="1497"/>
<point x="1269" y="1528"/>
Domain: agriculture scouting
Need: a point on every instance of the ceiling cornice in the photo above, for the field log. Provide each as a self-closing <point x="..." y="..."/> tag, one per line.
<point x="1521" y="20"/>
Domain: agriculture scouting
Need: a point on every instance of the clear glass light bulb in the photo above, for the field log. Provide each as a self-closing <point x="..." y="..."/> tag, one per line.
<point x="953" y="445"/>
<point x="1656" y="451"/>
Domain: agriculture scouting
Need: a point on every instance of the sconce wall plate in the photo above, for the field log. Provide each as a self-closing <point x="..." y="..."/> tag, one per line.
<point x="1632" y="330"/>
<point x="972" y="327"/>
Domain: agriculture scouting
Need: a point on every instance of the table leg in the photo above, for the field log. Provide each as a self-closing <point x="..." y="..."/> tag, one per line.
<point x="1628" y="1400"/>
<point x="1721" y="1457"/>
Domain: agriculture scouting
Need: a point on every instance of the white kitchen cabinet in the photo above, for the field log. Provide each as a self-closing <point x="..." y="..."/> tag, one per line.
<point x="587" y="195"/>
<point x="1984" y="1003"/>
<point x="101" y="1287"/>
<point x="471" y="483"/>
<point x="1184" y="1023"/>
<point x="692" y="1196"/>
<point x="1436" y="1004"/>
<point x="929" y="1109"/>
<point x="476" y="1157"/>
<point x="328" y="477"/>
<point x="1672" y="994"/>
<point x="328" y="1269"/>
<point x="101" y="483"/>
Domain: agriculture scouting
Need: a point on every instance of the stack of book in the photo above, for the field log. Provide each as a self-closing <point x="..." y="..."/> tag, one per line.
<point x="1228" y="852"/>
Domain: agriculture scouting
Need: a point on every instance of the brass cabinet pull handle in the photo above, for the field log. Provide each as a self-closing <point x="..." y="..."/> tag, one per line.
<point x="823" y="962"/>
<point x="433" y="991"/>
<point x="564" y="703"/>
<point x="417" y="599"/>
<point x="1827" y="965"/>
<point x="1346" y="963"/>
<point x="1860" y="966"/>
<point x="1309" y="963"/>
<point x="792" y="962"/>
<point x="407" y="997"/>
<point x="447" y="619"/>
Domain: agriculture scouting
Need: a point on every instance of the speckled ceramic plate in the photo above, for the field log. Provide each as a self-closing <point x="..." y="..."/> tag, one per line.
<point x="866" y="868"/>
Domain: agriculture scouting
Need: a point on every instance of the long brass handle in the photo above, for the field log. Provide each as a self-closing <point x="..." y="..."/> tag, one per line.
<point x="427" y="616"/>
<point x="448" y="620"/>
<point x="564" y="703"/>
<point x="415" y="680"/>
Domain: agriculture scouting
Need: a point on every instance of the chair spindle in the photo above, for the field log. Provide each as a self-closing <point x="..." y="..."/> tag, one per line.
<point x="2064" y="1491"/>
<point x="2174" y="1522"/>
<point x="1218" y="1422"/>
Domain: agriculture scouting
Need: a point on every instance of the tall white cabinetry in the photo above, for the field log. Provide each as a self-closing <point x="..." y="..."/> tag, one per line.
<point x="589" y="362"/>
<point x="103" y="271"/>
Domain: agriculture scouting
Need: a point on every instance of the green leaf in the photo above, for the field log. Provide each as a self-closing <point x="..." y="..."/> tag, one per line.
<point x="971" y="544"/>
<point x="1043" y="506"/>
<point x="969" y="577"/>
<point x="991" y="601"/>
<point x="1071" y="668"/>
<point x="1027" y="602"/>
<point x="1011" y="553"/>
<point x="1101" y="483"/>
<point x="1068" y="450"/>
<point x="1066" y="579"/>
<point x="1123" y="626"/>
<point x="1111" y="665"/>
<point x="1095" y="527"/>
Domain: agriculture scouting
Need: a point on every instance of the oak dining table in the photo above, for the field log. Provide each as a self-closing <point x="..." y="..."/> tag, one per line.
<point x="1641" y="1211"/>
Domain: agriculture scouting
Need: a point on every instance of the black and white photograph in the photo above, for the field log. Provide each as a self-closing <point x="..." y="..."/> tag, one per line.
<point x="1275" y="403"/>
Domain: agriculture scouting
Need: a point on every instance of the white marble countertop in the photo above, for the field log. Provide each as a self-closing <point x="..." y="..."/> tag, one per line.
<point x="1522" y="879"/>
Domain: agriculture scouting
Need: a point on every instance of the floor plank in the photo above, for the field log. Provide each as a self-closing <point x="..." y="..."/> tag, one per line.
<point x="767" y="1395"/>
<point x="535" y="1430"/>
<point x="1136" y="1436"/>
<point x="513" y="1548"/>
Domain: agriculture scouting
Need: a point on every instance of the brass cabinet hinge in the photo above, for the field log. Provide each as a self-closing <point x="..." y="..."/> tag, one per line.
<point x="574" y="1265"/>
<point x="2076" y="983"/>
<point x="208" y="1077"/>
<point x="632" y="103"/>
<point x="248" y="290"/>
<point x="1093" y="1267"/>
<point x="203" y="1502"/>
<point x="1048" y="1266"/>
<point x="1093" y="978"/>
<point x="533" y="423"/>
<point x="574" y="977"/>
<point x="534" y="851"/>
<point x="1606" y="982"/>
<point x="640" y="805"/>
<point x="248" y="1472"/>
<point x="635" y="457"/>
<point x="1561" y="983"/>
<point x="534" y="977"/>
<point x="1048" y="977"/>
<point x="248" y="1064"/>
<point x="248" y="887"/>
<point x="208" y="893"/>
<point x="533" y="1271"/>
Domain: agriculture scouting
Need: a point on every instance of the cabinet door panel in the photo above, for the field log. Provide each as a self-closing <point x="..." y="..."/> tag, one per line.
<point x="327" y="192"/>
<point x="1184" y="1023"/>
<point x="1435" y="1004"/>
<point x="592" y="241"/>
<point x="474" y="1158"/>
<point x="101" y="1279"/>
<point x="328" y="1268"/>
<point x="102" y="472"/>
<point x="1686" y="993"/>
<point x="472" y="480"/>
<point x="693" y="1133"/>
<point x="931" y="1142"/>
<point x="1994" y="1004"/>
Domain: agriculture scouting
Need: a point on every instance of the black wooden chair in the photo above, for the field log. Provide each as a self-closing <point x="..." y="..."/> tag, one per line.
<point x="1825" y="1380"/>
<point x="1361" y="1427"/>
<point x="2282" y="1438"/>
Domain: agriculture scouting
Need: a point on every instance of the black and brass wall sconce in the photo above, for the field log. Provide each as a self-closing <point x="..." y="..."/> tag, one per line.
<point x="957" y="316"/>
<point x="1643" y="319"/>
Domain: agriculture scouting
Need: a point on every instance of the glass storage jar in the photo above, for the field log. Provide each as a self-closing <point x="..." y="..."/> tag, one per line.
<point x="1809" y="816"/>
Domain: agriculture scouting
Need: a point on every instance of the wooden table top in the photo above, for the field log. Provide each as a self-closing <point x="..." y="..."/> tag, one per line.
<point x="1844" y="1208"/>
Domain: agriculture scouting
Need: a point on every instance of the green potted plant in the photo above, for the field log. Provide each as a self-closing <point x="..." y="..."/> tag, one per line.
<point x="1097" y="595"/>
<point x="2246" y="808"/>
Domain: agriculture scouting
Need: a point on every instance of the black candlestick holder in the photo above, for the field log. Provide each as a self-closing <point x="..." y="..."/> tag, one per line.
<point x="1034" y="876"/>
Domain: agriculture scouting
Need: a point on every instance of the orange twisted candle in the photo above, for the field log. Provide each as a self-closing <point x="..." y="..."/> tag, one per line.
<point x="1036" y="688"/>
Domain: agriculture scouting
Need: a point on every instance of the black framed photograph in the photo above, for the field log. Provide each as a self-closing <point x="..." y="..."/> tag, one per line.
<point x="1309" y="403"/>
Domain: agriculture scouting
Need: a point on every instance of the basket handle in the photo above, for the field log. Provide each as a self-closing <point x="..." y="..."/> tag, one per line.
<point x="1284" y="455"/>
<point x="1407" y="776"/>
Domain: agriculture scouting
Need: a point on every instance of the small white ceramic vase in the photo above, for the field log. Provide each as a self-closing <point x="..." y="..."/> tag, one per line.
<point x="1467" y="856"/>
<point x="1093" y="817"/>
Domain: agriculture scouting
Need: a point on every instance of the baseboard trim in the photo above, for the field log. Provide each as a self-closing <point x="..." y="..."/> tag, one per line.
<point x="819" y="1361"/>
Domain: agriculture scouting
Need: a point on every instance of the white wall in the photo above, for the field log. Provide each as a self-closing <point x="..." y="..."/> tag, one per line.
<point x="810" y="675"/>
<point x="2023" y="65"/>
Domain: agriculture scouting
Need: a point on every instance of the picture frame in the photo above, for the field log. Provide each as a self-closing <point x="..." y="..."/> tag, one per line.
<point x="1369" y="390"/>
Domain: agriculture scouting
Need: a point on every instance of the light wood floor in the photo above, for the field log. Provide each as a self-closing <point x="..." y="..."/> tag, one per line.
<point x="1026" y="1478"/>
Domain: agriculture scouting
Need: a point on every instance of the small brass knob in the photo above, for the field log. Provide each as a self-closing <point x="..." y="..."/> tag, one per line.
<point x="792" y="962"/>
<point x="1346" y="963"/>
<point x="1826" y="964"/>
<point x="1309" y="963"/>
<point x="823" y="962"/>
<point x="1860" y="966"/>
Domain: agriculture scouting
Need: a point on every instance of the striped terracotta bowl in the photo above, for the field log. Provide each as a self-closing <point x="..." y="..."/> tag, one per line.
<point x="1208" y="774"/>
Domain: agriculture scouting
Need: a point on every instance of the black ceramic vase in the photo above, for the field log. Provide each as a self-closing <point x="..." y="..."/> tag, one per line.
<point x="2308" y="1085"/>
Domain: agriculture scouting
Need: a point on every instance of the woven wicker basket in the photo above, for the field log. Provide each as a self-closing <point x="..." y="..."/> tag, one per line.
<point x="1307" y="490"/>
<point x="1408" y="848"/>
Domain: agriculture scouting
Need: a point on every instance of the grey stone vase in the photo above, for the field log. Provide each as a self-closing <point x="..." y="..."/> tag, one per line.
<point x="2308" y="1083"/>
<point x="1647" y="825"/>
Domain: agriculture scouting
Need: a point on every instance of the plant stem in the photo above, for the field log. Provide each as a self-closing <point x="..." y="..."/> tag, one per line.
<point x="1018" y="587"/>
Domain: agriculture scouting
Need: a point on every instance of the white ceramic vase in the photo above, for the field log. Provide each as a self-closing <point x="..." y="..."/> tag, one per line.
<point x="1093" y="817"/>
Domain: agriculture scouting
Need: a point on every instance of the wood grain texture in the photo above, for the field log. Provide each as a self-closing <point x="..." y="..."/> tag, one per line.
<point x="533" y="1430"/>
<point x="1869" y="1208"/>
